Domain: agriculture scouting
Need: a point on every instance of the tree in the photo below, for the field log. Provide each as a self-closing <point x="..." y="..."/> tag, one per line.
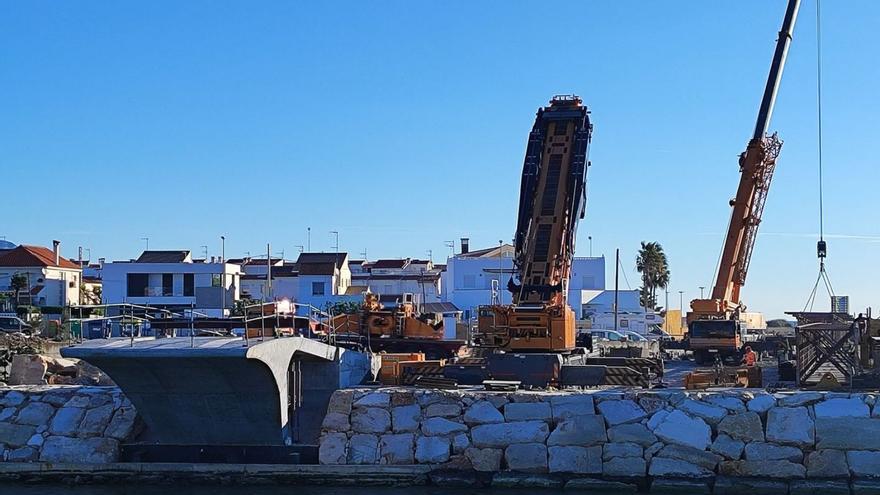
<point x="18" y="283"/>
<point x="651" y="262"/>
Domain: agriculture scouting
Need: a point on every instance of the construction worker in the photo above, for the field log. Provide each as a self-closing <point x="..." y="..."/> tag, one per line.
<point x="749" y="357"/>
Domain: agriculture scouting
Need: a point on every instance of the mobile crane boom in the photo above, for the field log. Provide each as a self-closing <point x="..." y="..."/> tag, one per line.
<point x="757" y="164"/>
<point x="552" y="201"/>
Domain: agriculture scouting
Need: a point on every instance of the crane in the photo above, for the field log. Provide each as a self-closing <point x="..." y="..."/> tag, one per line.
<point x="552" y="200"/>
<point x="713" y="323"/>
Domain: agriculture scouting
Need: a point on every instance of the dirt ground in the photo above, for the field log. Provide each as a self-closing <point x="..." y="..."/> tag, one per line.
<point x="675" y="371"/>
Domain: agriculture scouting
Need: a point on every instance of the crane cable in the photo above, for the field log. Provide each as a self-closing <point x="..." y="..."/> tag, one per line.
<point x="821" y="246"/>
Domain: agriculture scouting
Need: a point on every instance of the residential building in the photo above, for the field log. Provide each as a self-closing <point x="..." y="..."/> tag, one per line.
<point x="49" y="279"/>
<point x="475" y="278"/>
<point x="284" y="283"/>
<point x="172" y="280"/>
<point x="392" y="278"/>
<point x="597" y="308"/>
<point x="323" y="279"/>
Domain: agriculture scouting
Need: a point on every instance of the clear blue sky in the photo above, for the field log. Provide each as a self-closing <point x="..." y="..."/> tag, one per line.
<point x="403" y="124"/>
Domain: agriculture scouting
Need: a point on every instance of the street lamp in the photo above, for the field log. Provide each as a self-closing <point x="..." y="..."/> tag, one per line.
<point x="681" y="301"/>
<point x="590" y="238"/>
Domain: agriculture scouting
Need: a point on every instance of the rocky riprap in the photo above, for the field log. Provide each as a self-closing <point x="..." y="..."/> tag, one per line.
<point x="730" y="438"/>
<point x="64" y="424"/>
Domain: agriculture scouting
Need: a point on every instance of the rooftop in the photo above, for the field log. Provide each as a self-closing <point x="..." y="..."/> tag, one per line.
<point x="31" y="256"/>
<point x="177" y="256"/>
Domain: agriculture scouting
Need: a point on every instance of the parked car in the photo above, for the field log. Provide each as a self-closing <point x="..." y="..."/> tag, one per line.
<point x="14" y="324"/>
<point x="633" y="336"/>
<point x="599" y="334"/>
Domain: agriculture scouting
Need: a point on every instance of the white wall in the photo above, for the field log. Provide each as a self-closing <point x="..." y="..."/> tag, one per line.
<point x="115" y="281"/>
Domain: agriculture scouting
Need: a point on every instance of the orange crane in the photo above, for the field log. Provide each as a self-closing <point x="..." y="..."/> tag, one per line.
<point x="552" y="201"/>
<point x="714" y="326"/>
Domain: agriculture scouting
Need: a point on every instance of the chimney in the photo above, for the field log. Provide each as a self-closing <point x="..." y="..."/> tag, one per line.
<point x="56" y="249"/>
<point x="465" y="245"/>
<point x="212" y="259"/>
<point x="101" y="262"/>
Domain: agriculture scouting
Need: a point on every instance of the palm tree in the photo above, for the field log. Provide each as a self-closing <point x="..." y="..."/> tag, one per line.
<point x="652" y="263"/>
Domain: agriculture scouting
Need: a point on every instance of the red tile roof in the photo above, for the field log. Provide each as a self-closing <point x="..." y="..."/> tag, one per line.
<point x="29" y="256"/>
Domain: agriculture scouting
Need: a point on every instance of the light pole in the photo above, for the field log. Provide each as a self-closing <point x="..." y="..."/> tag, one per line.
<point x="336" y="233"/>
<point x="590" y="238"/>
<point x="309" y="239"/>
<point x="701" y="291"/>
<point x="681" y="301"/>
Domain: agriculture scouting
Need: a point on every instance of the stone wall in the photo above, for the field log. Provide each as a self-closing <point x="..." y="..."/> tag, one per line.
<point x="635" y="435"/>
<point x="63" y="423"/>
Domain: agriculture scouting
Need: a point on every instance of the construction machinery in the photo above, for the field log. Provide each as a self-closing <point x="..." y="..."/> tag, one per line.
<point x="714" y="327"/>
<point x="552" y="201"/>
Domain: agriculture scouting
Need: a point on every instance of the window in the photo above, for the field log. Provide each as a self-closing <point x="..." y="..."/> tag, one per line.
<point x="624" y="323"/>
<point x="470" y="282"/>
<point x="189" y="284"/>
<point x="137" y="284"/>
<point x="167" y="284"/>
<point x="216" y="280"/>
<point x="317" y="288"/>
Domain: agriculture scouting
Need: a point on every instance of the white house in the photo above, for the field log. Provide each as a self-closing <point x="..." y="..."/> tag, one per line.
<point x="49" y="278"/>
<point x="324" y="279"/>
<point x="472" y="277"/>
<point x="171" y="280"/>
<point x="392" y="278"/>
<point x="284" y="283"/>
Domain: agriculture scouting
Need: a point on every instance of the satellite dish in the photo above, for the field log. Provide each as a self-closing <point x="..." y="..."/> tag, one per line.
<point x="6" y="244"/>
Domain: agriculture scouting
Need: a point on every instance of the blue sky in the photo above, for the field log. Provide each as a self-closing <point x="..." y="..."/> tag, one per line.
<point x="403" y="125"/>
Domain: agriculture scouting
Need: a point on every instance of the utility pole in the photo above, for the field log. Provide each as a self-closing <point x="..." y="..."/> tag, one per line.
<point x="616" y="282"/>
<point x="309" y="243"/>
<point x="223" y="277"/>
<point x="681" y="302"/>
<point x="268" y="273"/>
<point x="500" y="270"/>
<point x="590" y="238"/>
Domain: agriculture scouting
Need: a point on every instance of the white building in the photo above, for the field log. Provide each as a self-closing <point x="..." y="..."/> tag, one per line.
<point x="471" y="278"/>
<point x="392" y="278"/>
<point x="171" y="280"/>
<point x="48" y="278"/>
<point x="324" y="279"/>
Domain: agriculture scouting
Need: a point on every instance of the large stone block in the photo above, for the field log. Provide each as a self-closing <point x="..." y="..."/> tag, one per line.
<point x="27" y="369"/>
<point x="524" y="411"/>
<point x="66" y="421"/>
<point x="370" y="420"/>
<point x="12" y="398"/>
<point x="863" y="463"/>
<point x="761" y="403"/>
<point x="798" y="399"/>
<point x="122" y="426"/>
<point x="827" y="464"/>
<point x="340" y="402"/>
<point x="579" y="460"/>
<point x="618" y="412"/>
<point x="336" y="422"/>
<point x="483" y="412"/>
<point x="441" y="426"/>
<point x="762" y="469"/>
<point x="632" y="432"/>
<point x="612" y="450"/>
<point x="583" y="431"/>
<point x="624" y="467"/>
<point x="848" y="433"/>
<point x="504" y="434"/>
<point x="460" y="443"/>
<point x="709" y="413"/>
<point x="443" y="410"/>
<point x="728" y="447"/>
<point x="15" y="435"/>
<point x="706" y="460"/>
<point x="396" y="448"/>
<point x="656" y="419"/>
<point x="485" y="460"/>
<point x="405" y="418"/>
<point x="681" y="429"/>
<point x="676" y="468"/>
<point x="571" y="405"/>
<point x="95" y="421"/>
<point x="526" y="457"/>
<point x="332" y="448"/>
<point x="745" y="426"/>
<point x="762" y="451"/>
<point x="790" y="426"/>
<point x="432" y="450"/>
<point x="35" y="414"/>
<point x="842" y="408"/>
<point x="363" y="449"/>
<point x="374" y="399"/>
<point x="732" y="404"/>
<point x="95" y="450"/>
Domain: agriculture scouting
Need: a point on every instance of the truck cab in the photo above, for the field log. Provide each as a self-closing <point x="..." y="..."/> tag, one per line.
<point x="710" y="338"/>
